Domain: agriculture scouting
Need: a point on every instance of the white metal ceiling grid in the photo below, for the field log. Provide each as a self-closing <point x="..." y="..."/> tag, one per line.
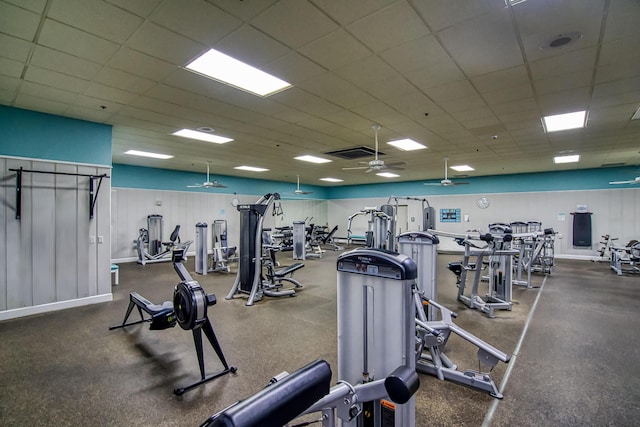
<point x="448" y="74"/>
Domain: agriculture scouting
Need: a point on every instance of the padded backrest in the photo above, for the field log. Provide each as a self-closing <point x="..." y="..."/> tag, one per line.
<point x="281" y="402"/>
<point x="175" y="234"/>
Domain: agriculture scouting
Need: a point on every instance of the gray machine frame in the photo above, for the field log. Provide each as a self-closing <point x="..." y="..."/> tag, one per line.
<point x="376" y="329"/>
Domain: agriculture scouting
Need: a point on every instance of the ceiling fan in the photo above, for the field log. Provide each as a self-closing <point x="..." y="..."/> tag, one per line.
<point x="377" y="164"/>
<point x="208" y="183"/>
<point x="298" y="190"/>
<point x="446" y="181"/>
<point x="636" y="180"/>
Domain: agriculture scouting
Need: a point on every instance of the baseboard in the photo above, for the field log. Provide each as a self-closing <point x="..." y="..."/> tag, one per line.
<point x="53" y="306"/>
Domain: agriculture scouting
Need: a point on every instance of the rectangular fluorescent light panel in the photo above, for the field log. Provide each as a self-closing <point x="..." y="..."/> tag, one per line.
<point x="331" y="179"/>
<point x="147" y="154"/>
<point x="312" y="159"/>
<point x="223" y="68"/>
<point x="251" y="168"/>
<point x="564" y="121"/>
<point x="636" y="115"/>
<point x="462" y="168"/>
<point x="567" y="159"/>
<point x="407" y="144"/>
<point x="388" y="175"/>
<point x="202" y="136"/>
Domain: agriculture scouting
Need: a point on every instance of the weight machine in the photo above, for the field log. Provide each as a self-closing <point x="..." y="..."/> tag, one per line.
<point x="249" y="280"/>
<point x="221" y="255"/>
<point x="626" y="259"/>
<point x="151" y="248"/>
<point x="189" y="310"/>
<point x="499" y="262"/>
<point x="434" y="322"/>
<point x="379" y="227"/>
<point x="428" y="213"/>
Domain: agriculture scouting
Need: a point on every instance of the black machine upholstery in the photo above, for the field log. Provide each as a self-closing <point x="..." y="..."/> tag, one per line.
<point x="280" y="402"/>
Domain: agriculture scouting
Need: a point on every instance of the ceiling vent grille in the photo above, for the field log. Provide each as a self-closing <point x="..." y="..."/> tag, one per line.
<point x="612" y="165"/>
<point x="354" y="153"/>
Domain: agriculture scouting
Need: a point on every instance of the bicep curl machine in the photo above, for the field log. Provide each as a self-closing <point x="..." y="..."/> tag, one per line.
<point x="189" y="310"/>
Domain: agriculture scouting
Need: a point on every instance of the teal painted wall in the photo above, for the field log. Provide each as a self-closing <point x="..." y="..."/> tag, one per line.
<point x="30" y="134"/>
<point x="127" y="176"/>
<point x="583" y="179"/>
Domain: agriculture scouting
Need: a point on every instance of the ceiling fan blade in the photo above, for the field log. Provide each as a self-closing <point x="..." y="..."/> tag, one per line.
<point x="459" y="183"/>
<point x="194" y="186"/>
<point x="636" y="180"/>
<point x="433" y="183"/>
<point x="355" y="168"/>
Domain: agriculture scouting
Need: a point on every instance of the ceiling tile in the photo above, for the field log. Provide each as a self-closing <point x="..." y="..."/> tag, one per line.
<point x="18" y="22"/>
<point x="45" y="105"/>
<point x="9" y="84"/>
<point x="452" y="91"/>
<point x="75" y="42"/>
<point x="309" y="103"/>
<point x="501" y="79"/>
<point x="508" y="94"/>
<point x="569" y="62"/>
<point x="252" y="46"/>
<point x="109" y="93"/>
<point x="141" y="64"/>
<point x="55" y="60"/>
<point x="52" y="78"/>
<point x="141" y="8"/>
<point x="563" y="82"/>
<point x="565" y="101"/>
<point x="376" y="70"/>
<point x="346" y="12"/>
<point x="244" y="10"/>
<point x="441" y="15"/>
<point x="294" y="68"/>
<point x="195" y="19"/>
<point x="389" y="27"/>
<point x="164" y="44"/>
<point x="123" y="80"/>
<point x="622" y="20"/>
<point x="11" y="68"/>
<point x="484" y="44"/>
<point x="46" y="92"/>
<point x="438" y="75"/>
<point x="423" y="52"/>
<point x="14" y="48"/>
<point x="294" y="22"/>
<point x="335" y="50"/>
<point x="36" y="6"/>
<point x="333" y="89"/>
<point x="96" y="17"/>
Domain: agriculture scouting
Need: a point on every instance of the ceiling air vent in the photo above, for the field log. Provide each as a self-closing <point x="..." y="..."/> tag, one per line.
<point x="354" y="153"/>
<point x="612" y="165"/>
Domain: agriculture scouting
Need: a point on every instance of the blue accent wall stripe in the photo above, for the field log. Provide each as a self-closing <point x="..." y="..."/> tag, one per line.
<point x="30" y="134"/>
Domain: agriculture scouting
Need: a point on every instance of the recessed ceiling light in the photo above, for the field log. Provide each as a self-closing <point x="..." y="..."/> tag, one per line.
<point x="331" y="179"/>
<point x="148" y="154"/>
<point x="251" y="168"/>
<point x="202" y="136"/>
<point x="407" y="144"/>
<point x="312" y="159"/>
<point x="462" y="168"/>
<point x="388" y="174"/>
<point x="223" y="68"/>
<point x="567" y="159"/>
<point x="564" y="121"/>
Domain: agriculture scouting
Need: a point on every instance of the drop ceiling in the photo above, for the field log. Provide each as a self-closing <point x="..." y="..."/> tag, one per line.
<point x="470" y="79"/>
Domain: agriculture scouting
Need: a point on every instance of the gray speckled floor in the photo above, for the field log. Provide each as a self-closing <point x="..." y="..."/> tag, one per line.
<point x="579" y="363"/>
